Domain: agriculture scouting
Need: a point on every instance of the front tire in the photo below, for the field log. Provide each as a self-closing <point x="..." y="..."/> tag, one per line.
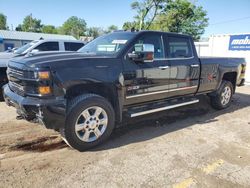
<point x="90" y="121"/>
<point x="223" y="96"/>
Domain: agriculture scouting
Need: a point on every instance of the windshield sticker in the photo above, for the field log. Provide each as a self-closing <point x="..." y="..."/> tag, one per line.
<point x="119" y="41"/>
<point x="106" y="48"/>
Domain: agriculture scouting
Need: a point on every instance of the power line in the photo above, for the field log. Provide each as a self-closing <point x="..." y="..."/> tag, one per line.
<point x="229" y="21"/>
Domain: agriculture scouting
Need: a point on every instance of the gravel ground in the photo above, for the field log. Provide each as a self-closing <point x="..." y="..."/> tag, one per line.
<point x="193" y="146"/>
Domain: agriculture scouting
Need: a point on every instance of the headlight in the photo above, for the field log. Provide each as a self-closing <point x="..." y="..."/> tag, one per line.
<point x="44" y="75"/>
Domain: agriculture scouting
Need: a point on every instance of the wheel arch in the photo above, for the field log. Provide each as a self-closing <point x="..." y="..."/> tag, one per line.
<point x="231" y="77"/>
<point x="107" y="91"/>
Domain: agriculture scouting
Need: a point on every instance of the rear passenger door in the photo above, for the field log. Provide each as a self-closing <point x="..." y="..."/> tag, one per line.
<point x="184" y="66"/>
<point x="48" y="46"/>
<point x="72" y="46"/>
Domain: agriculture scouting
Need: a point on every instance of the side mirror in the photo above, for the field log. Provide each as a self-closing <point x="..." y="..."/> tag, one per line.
<point x="143" y="53"/>
<point x="34" y="51"/>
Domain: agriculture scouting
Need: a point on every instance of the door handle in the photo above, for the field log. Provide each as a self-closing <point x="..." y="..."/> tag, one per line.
<point x="163" y="67"/>
<point x="195" y="65"/>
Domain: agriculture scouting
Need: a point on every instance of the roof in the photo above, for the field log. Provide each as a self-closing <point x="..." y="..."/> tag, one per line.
<point x="152" y="31"/>
<point x="20" y="35"/>
<point x="59" y="40"/>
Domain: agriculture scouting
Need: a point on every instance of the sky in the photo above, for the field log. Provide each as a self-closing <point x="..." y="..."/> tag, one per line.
<point x="225" y="16"/>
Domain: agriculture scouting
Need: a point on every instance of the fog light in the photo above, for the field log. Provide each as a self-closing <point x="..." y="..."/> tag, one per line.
<point x="43" y="75"/>
<point x="44" y="90"/>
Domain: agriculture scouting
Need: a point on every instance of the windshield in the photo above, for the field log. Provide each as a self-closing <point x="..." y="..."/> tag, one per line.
<point x="24" y="47"/>
<point x="107" y="45"/>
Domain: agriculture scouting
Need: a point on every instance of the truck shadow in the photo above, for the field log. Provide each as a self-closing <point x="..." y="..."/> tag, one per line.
<point x="155" y="125"/>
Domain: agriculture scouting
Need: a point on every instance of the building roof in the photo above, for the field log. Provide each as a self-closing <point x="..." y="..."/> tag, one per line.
<point x="86" y="39"/>
<point x="228" y="34"/>
<point x="20" y="35"/>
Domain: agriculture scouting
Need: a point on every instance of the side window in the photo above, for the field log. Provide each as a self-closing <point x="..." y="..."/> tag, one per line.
<point x="179" y="47"/>
<point x="72" y="46"/>
<point x="156" y="41"/>
<point x="48" y="46"/>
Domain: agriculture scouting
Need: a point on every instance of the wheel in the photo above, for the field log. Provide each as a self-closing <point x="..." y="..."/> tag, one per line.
<point x="1" y="92"/>
<point x="223" y="96"/>
<point x="1" y="96"/>
<point x="89" y="122"/>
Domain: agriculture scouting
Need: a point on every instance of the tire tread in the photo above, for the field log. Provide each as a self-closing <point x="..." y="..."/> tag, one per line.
<point x="216" y="101"/>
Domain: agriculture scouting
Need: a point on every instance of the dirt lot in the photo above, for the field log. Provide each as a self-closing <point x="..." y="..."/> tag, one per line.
<point x="194" y="146"/>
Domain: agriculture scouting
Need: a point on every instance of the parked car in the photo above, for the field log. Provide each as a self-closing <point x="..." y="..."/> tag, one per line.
<point x="35" y="46"/>
<point x="86" y="94"/>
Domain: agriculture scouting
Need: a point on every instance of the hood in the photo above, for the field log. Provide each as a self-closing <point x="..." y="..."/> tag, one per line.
<point x="45" y="58"/>
<point x="5" y="57"/>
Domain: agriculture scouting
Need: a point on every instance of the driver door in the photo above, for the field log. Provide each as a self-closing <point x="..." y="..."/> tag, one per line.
<point x="147" y="81"/>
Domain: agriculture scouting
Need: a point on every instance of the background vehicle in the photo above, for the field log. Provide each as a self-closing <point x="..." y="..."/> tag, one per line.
<point x="117" y="76"/>
<point x="35" y="46"/>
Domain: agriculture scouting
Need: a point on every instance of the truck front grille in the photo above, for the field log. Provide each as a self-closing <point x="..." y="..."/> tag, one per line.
<point x="18" y="89"/>
<point x="15" y="77"/>
<point x="15" y="72"/>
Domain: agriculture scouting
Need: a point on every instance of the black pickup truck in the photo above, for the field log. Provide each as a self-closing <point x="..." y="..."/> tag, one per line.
<point x="86" y="94"/>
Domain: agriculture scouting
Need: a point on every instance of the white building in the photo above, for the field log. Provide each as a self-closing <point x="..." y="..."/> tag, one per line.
<point x="15" y="39"/>
<point x="227" y="45"/>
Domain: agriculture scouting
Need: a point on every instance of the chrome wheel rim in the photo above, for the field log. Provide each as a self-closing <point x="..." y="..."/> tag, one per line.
<point x="226" y="95"/>
<point x="91" y="124"/>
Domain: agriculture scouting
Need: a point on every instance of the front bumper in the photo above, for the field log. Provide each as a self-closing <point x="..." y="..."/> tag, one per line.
<point x="242" y="82"/>
<point x="49" y="112"/>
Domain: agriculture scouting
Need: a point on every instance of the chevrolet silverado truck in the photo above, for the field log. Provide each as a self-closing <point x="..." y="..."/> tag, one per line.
<point x="34" y="47"/>
<point x="86" y="94"/>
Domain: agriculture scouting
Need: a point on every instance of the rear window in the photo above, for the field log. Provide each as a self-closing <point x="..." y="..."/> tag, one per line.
<point x="72" y="46"/>
<point x="48" y="46"/>
<point x="179" y="47"/>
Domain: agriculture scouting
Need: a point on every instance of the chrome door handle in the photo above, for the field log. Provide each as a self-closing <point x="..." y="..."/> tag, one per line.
<point x="195" y="65"/>
<point x="163" y="67"/>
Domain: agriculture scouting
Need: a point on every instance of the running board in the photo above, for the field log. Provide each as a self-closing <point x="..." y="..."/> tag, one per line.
<point x="162" y="108"/>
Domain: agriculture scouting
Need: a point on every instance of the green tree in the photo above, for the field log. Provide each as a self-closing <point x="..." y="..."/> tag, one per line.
<point x="130" y="25"/>
<point x="19" y="27"/>
<point x="30" y="24"/>
<point x="146" y="12"/>
<point x="3" y="22"/>
<point x="111" y="28"/>
<point x="49" y="29"/>
<point x="182" y="16"/>
<point x="74" y="26"/>
<point x="95" y="32"/>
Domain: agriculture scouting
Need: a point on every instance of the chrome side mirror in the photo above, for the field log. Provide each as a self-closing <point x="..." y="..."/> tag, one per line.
<point x="143" y="53"/>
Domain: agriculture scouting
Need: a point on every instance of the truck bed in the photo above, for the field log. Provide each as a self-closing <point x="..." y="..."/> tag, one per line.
<point x="212" y="70"/>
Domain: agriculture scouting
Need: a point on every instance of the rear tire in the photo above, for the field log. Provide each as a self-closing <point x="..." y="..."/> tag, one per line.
<point x="223" y="97"/>
<point x="89" y="122"/>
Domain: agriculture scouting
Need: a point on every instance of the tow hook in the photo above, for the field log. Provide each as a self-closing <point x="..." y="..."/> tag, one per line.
<point x="19" y="117"/>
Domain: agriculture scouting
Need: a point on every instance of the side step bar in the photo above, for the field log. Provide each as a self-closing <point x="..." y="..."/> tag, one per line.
<point x="164" y="108"/>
